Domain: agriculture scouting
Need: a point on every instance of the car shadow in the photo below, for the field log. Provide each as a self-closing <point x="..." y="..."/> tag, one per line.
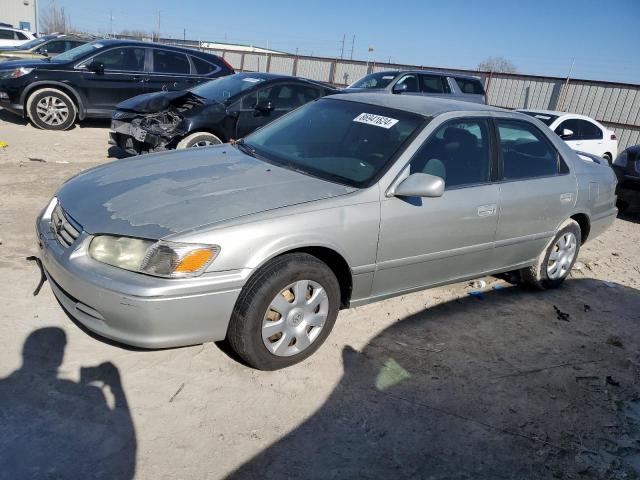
<point x="117" y="153"/>
<point x="510" y="384"/>
<point x="7" y="116"/>
<point x="51" y="427"/>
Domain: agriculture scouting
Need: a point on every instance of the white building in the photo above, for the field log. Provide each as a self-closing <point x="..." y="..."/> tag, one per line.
<point x="19" y="13"/>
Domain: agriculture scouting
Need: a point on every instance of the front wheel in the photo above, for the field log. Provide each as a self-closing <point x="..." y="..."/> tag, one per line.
<point x="199" y="139"/>
<point x="556" y="261"/>
<point x="51" y="109"/>
<point x="285" y="312"/>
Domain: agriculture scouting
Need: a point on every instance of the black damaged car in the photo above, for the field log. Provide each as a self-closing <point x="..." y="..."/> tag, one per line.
<point x="211" y="113"/>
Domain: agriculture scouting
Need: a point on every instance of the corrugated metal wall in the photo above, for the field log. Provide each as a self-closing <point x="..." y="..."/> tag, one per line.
<point x="16" y="11"/>
<point x="615" y="105"/>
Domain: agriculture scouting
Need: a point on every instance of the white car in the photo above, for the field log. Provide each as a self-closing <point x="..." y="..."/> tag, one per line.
<point x="13" y="37"/>
<point x="581" y="133"/>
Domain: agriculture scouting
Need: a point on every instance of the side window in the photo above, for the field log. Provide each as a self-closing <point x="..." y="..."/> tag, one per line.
<point x="292" y="96"/>
<point x="127" y="59"/>
<point x="6" y="34"/>
<point x="56" y="46"/>
<point x="459" y="152"/>
<point x="526" y="152"/>
<point x="21" y="36"/>
<point x="165" y="61"/>
<point x="571" y="124"/>
<point x="433" y="84"/>
<point x="202" y="67"/>
<point x="590" y="131"/>
<point x="252" y="99"/>
<point x="468" y="85"/>
<point x="411" y="82"/>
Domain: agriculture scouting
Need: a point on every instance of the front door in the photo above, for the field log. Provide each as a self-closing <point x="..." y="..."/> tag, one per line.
<point x="425" y="241"/>
<point x="122" y="78"/>
<point x="537" y="192"/>
<point x="584" y="137"/>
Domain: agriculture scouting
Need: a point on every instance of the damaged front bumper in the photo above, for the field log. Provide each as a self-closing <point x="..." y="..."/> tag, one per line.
<point x="145" y="134"/>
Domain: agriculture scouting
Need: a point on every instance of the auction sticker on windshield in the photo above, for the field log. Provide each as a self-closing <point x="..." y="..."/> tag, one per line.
<point x="252" y="80"/>
<point x="376" y="120"/>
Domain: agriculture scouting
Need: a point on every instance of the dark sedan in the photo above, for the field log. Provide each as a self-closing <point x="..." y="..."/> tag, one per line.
<point x="208" y="114"/>
<point x="90" y="80"/>
<point x="627" y="168"/>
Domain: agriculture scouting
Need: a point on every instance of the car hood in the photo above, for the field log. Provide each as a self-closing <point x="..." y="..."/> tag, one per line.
<point x="27" y="62"/>
<point x="154" y="196"/>
<point x="154" y="102"/>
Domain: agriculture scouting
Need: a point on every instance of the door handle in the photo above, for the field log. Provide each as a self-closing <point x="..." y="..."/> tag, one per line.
<point x="487" y="210"/>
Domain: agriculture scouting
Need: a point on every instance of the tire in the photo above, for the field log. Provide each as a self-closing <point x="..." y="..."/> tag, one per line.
<point x="256" y="314"/>
<point x="199" y="139"/>
<point x="51" y="109"/>
<point x="607" y="157"/>
<point x="542" y="275"/>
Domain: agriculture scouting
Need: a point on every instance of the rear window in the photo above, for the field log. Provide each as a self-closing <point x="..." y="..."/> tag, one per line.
<point x="202" y="67"/>
<point x="470" y="85"/>
<point x="165" y="61"/>
<point x="375" y="80"/>
<point x="545" y="118"/>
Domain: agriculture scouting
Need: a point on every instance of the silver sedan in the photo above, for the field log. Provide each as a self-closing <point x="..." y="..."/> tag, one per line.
<point x="348" y="200"/>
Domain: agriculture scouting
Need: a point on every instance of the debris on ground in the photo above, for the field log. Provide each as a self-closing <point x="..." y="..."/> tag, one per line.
<point x="34" y="159"/>
<point x="176" y="394"/>
<point x="561" y="315"/>
<point x="476" y="294"/>
<point x="615" y="341"/>
<point x="4" y="144"/>
<point x="611" y="381"/>
<point x="478" y="284"/>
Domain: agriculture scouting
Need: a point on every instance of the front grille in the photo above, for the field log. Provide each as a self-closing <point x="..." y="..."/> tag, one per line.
<point x="65" y="228"/>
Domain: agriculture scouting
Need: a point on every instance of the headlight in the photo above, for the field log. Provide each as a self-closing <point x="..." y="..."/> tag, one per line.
<point x="16" y="73"/>
<point x="161" y="259"/>
<point x="621" y="160"/>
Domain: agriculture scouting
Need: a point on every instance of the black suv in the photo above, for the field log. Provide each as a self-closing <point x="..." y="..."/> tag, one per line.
<point x="90" y="80"/>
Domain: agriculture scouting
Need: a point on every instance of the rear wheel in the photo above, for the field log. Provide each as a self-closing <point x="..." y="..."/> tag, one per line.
<point x="556" y="261"/>
<point x="51" y="109"/>
<point x="285" y="312"/>
<point x="199" y="139"/>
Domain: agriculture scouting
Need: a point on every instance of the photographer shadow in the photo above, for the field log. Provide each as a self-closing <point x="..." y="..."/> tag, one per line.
<point x="56" y="428"/>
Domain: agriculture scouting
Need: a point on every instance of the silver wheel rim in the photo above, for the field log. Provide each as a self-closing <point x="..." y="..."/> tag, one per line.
<point x="295" y="317"/>
<point x="204" y="143"/>
<point x="562" y="255"/>
<point x="52" y="110"/>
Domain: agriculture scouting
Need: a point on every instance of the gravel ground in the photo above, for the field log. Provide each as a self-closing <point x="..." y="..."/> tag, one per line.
<point x="438" y="384"/>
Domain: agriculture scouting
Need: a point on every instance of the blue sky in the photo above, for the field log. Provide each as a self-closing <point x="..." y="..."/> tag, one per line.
<point x="540" y="36"/>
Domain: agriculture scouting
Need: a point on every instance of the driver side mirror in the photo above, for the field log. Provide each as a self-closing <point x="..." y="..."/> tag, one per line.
<point x="566" y="133"/>
<point x="96" y="67"/>
<point x="263" y="107"/>
<point x="400" y="88"/>
<point x="420" y="185"/>
<point x="43" y="51"/>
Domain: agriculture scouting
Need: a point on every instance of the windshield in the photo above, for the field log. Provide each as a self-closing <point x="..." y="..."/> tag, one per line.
<point x="546" y="118"/>
<point x="225" y="88"/>
<point x="33" y="43"/>
<point x="77" y="53"/>
<point x="375" y="80"/>
<point x="337" y="140"/>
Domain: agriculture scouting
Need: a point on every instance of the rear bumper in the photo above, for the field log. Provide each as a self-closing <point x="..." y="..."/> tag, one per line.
<point x="137" y="309"/>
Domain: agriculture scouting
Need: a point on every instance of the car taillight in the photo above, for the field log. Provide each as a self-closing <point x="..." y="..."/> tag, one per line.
<point x="227" y="64"/>
<point x="613" y="136"/>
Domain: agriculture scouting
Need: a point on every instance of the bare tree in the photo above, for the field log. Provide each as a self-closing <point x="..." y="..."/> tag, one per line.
<point x="54" y="19"/>
<point x="497" y="64"/>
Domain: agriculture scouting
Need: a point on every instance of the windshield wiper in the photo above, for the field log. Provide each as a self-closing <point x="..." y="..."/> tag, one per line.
<point x="244" y="148"/>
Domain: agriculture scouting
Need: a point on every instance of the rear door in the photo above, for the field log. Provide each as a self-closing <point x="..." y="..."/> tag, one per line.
<point x="434" y="85"/>
<point x="537" y="192"/>
<point x="170" y="70"/>
<point x="123" y="77"/>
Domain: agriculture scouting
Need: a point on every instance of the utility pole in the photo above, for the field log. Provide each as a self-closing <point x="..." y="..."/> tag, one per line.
<point x="566" y="85"/>
<point x="184" y="35"/>
<point x="35" y="16"/>
<point x="158" y="32"/>
<point x="344" y="36"/>
<point x="111" y="22"/>
<point x="353" y="42"/>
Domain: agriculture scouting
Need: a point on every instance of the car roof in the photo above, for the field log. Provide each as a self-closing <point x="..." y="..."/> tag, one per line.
<point x="113" y="42"/>
<point x="425" y="106"/>
<point x="429" y="72"/>
<point x="15" y="29"/>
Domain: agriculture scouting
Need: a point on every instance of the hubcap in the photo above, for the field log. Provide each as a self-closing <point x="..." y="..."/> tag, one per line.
<point x="52" y="110"/>
<point x="204" y="143"/>
<point x="562" y="255"/>
<point x="295" y="318"/>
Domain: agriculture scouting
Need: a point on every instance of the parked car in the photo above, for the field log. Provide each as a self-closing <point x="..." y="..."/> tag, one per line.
<point x="13" y="37"/>
<point x="90" y="80"/>
<point x="345" y="201"/>
<point x="627" y="168"/>
<point x="422" y="82"/>
<point x="580" y="132"/>
<point x="44" y="47"/>
<point x="211" y="113"/>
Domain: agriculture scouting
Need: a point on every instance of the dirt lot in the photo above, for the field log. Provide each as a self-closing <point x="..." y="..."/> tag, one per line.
<point x="440" y="384"/>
